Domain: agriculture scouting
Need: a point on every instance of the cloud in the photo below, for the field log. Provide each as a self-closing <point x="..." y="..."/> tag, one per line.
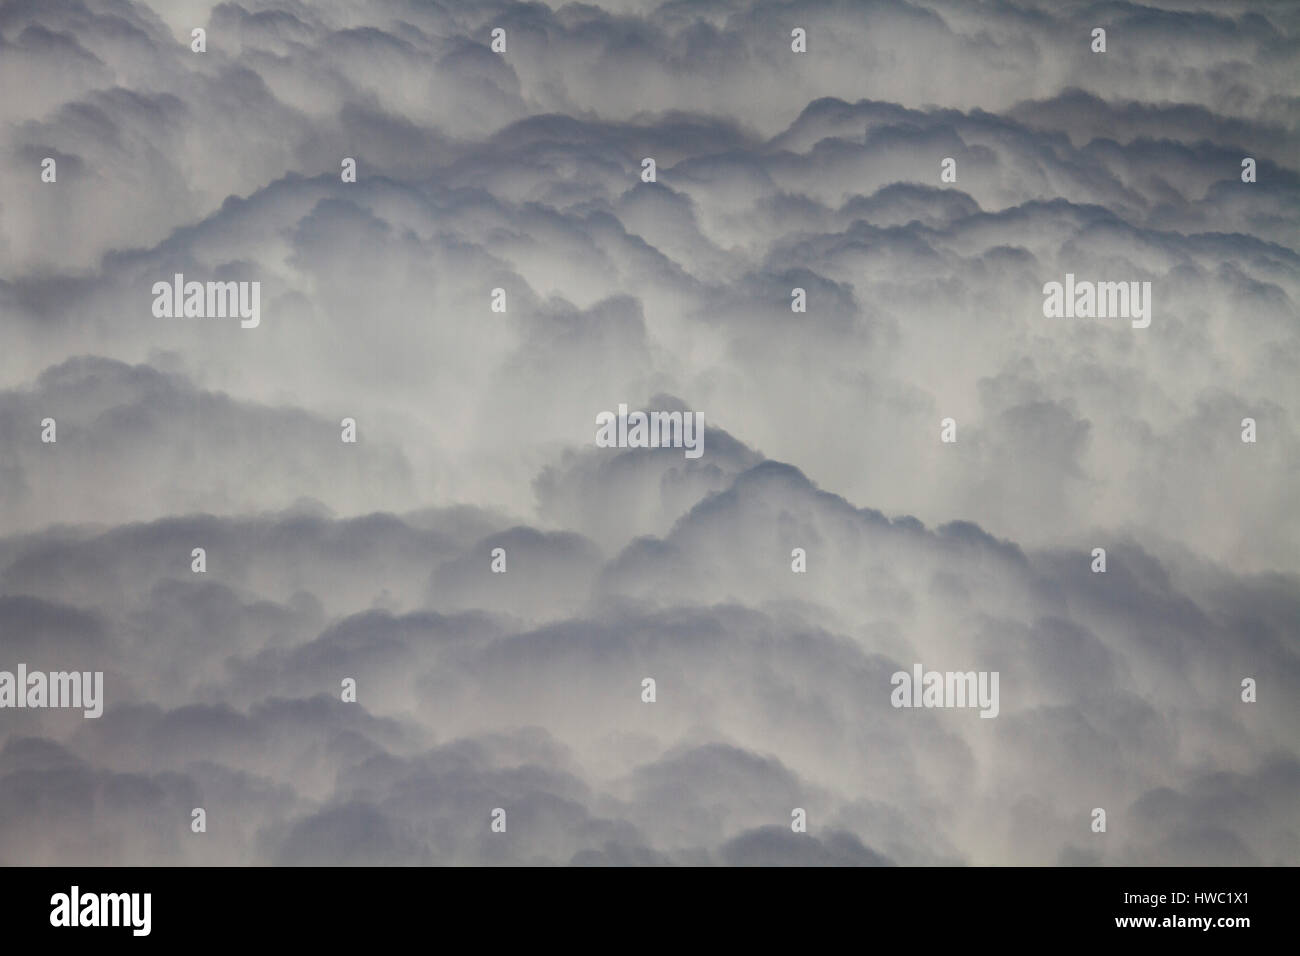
<point x="521" y="172"/>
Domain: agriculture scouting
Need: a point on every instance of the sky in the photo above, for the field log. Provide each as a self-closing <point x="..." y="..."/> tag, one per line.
<point x="522" y="171"/>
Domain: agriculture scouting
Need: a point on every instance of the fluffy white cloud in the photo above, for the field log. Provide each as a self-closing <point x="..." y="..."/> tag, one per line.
<point x="776" y="170"/>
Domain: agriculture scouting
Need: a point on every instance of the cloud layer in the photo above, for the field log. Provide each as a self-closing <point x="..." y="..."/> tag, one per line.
<point x="776" y="170"/>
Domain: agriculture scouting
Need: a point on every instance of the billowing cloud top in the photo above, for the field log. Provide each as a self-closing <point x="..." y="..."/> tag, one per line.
<point x="502" y="270"/>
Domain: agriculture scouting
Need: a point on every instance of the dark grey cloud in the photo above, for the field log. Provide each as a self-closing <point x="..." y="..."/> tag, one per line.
<point x="774" y="699"/>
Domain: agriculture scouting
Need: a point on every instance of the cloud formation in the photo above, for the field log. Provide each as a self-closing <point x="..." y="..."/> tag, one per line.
<point x="521" y="171"/>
